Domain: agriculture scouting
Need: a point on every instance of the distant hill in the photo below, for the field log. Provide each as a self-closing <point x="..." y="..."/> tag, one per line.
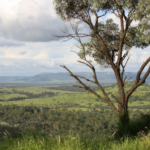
<point x="11" y="78"/>
<point x="49" y="77"/>
<point x="46" y="76"/>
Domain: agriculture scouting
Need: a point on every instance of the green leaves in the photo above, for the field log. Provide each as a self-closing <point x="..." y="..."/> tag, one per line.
<point x="110" y="33"/>
<point x="142" y="14"/>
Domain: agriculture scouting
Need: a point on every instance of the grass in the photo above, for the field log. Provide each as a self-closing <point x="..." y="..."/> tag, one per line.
<point x="8" y="96"/>
<point x="83" y="99"/>
<point x="35" y="141"/>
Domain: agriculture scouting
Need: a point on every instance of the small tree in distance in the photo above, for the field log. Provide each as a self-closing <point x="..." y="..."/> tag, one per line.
<point x="109" y="44"/>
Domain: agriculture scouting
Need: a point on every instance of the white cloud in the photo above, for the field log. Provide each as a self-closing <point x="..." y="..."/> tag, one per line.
<point x="41" y="56"/>
<point x="115" y="18"/>
<point x="29" y="20"/>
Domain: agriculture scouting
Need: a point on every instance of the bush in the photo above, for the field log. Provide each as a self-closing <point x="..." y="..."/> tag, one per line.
<point x="134" y="126"/>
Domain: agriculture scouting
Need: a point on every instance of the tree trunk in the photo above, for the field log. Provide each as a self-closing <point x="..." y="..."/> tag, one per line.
<point x="123" y="114"/>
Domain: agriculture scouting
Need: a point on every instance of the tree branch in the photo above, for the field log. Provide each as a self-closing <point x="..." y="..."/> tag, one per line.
<point x="84" y="86"/>
<point x="138" y="82"/>
<point x="127" y="80"/>
<point x="141" y="69"/>
<point x="124" y="79"/>
<point x="79" y="86"/>
<point x="116" y="99"/>
<point x="83" y="78"/>
<point x="84" y="63"/>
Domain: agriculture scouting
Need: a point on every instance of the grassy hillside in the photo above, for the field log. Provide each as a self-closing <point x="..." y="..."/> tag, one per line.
<point x="74" y="98"/>
<point x="64" y="117"/>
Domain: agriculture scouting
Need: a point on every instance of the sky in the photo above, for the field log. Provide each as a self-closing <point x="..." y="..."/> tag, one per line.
<point x="27" y="46"/>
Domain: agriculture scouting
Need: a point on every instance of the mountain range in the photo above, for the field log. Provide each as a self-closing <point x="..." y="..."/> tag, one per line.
<point x="103" y="77"/>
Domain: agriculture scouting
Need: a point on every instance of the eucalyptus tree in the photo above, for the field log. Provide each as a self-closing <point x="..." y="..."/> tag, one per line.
<point x="109" y="44"/>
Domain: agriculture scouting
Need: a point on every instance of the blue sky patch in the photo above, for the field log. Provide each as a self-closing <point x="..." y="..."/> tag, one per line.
<point x="2" y="53"/>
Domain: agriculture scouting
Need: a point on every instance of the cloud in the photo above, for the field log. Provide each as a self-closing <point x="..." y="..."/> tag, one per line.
<point x="115" y="18"/>
<point x="2" y="53"/>
<point x="39" y="53"/>
<point x="22" y="53"/>
<point x="10" y="43"/>
<point x="30" y="20"/>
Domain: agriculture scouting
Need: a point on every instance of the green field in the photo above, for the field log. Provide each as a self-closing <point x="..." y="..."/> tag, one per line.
<point x="70" y="97"/>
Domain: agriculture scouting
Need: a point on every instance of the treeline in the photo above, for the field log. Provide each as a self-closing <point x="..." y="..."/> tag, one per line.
<point x="32" y="95"/>
<point x="28" y="95"/>
<point x="14" y="99"/>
